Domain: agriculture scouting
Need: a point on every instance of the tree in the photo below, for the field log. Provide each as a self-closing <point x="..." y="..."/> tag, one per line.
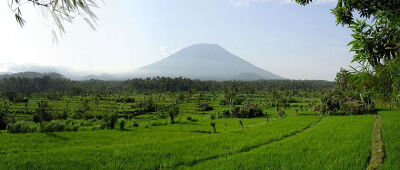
<point x="173" y="111"/>
<point x="5" y="116"/>
<point x="376" y="42"/>
<point x="43" y="112"/>
<point x="60" y="11"/>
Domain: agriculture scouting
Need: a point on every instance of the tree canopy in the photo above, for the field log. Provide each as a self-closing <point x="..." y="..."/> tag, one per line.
<point x="60" y="11"/>
<point x="376" y="44"/>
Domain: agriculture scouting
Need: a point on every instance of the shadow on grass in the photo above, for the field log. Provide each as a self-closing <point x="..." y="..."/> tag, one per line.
<point x="51" y="134"/>
<point x="307" y="114"/>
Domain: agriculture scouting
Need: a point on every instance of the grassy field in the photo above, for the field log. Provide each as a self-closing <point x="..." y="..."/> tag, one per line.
<point x="334" y="143"/>
<point x="141" y="148"/>
<point x="299" y="140"/>
<point x="391" y="137"/>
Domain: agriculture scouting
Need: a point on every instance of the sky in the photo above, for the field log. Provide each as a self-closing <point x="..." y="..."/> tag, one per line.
<point x="293" y="41"/>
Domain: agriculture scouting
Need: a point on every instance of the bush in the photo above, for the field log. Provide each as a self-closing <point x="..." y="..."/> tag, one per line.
<point x="339" y="103"/>
<point x="125" y="100"/>
<point x="135" y="124"/>
<point x="58" y="126"/>
<point x="22" y="127"/>
<point x="204" y="107"/>
<point x="246" y="111"/>
<point x="53" y="126"/>
<point x="226" y="113"/>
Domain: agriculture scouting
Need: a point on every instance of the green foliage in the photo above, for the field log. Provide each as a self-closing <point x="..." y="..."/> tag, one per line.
<point x="173" y="112"/>
<point x="204" y="107"/>
<point x="60" y="10"/>
<point x="13" y="96"/>
<point x="376" y="43"/>
<point x="121" y="123"/>
<point x="58" y="126"/>
<point x="135" y="124"/>
<point x="43" y="112"/>
<point x="230" y="97"/>
<point x="160" y="84"/>
<point x="281" y="113"/>
<point x="147" y="106"/>
<point x="245" y="111"/>
<point x="5" y="116"/>
<point x="109" y="119"/>
<point x="125" y="100"/>
<point x="23" y="127"/>
<point x="340" y="103"/>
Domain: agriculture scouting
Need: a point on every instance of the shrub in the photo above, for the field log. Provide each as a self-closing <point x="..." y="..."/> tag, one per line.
<point x="22" y="127"/>
<point x="226" y="113"/>
<point x="246" y="111"/>
<point x="204" y="107"/>
<point x="59" y="126"/>
<point x="339" y="103"/>
<point x="135" y="124"/>
<point x="125" y="100"/>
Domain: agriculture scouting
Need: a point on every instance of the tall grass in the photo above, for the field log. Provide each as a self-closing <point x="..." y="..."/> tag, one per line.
<point x="391" y="138"/>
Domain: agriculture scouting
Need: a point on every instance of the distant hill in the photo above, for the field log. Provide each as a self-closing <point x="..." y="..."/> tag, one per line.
<point x="206" y="62"/>
<point x="99" y="77"/>
<point x="31" y="74"/>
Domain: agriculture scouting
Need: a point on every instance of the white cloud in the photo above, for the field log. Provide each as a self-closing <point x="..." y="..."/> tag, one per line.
<point x="244" y="3"/>
<point x="166" y="52"/>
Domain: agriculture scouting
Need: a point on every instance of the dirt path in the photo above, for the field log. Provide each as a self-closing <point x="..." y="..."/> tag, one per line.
<point x="377" y="146"/>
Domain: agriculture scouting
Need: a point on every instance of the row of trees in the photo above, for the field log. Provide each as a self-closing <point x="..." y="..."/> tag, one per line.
<point x="158" y="84"/>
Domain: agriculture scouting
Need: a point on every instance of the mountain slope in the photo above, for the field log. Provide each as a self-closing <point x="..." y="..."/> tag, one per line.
<point x="206" y="62"/>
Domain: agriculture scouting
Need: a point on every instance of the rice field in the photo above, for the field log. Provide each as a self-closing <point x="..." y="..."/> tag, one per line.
<point x="299" y="140"/>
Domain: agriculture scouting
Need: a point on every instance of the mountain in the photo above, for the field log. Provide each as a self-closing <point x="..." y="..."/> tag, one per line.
<point x="206" y="62"/>
<point x="103" y="76"/>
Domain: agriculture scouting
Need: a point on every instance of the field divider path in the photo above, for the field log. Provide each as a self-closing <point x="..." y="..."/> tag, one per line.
<point x="245" y="149"/>
<point x="377" y="153"/>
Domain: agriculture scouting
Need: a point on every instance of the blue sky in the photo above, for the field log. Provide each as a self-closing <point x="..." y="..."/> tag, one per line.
<point x="280" y="36"/>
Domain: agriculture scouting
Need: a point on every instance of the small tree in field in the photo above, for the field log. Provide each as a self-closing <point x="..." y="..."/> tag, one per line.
<point x="173" y="111"/>
<point x="212" y="123"/>
<point x="5" y="116"/>
<point x="241" y="123"/>
<point x="42" y="112"/>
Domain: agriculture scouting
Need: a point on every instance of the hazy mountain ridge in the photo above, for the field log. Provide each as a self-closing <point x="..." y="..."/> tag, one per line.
<point x="200" y="61"/>
<point x="31" y="75"/>
<point x="206" y="62"/>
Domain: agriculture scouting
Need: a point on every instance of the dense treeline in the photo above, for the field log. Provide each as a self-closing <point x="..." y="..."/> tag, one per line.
<point x="158" y="84"/>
